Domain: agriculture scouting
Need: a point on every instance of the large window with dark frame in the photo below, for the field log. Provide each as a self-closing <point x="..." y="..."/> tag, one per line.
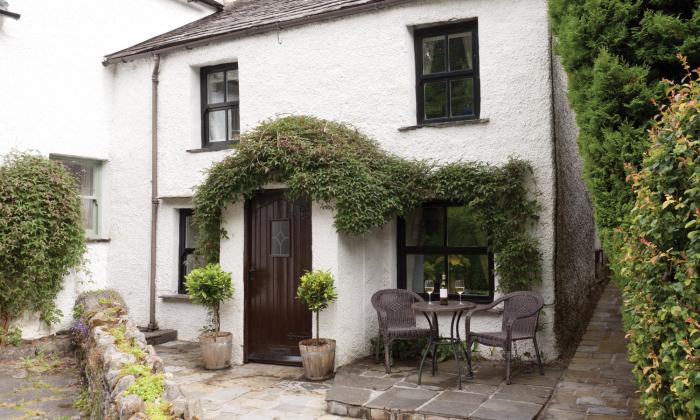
<point x="220" y="105"/>
<point x="444" y="238"/>
<point x="187" y="258"/>
<point x="447" y="72"/>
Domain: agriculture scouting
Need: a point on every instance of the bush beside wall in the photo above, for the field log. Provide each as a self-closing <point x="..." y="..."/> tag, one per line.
<point x="124" y="378"/>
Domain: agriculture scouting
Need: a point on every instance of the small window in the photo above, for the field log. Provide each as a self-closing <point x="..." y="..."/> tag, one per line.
<point x="220" y="105"/>
<point x="279" y="238"/>
<point x="442" y="238"/>
<point x="188" y="241"/>
<point x="87" y="173"/>
<point x="447" y="73"/>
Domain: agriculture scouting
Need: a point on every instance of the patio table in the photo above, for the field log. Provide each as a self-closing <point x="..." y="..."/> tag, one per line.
<point x="456" y="309"/>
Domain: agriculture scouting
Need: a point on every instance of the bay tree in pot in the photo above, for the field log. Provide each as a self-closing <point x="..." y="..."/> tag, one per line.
<point x="209" y="286"/>
<point x="316" y="290"/>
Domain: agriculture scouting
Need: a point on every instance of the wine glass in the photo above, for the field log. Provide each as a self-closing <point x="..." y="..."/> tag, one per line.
<point x="459" y="288"/>
<point x="429" y="288"/>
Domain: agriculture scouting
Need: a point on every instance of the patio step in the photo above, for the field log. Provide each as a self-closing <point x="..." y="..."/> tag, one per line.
<point x="159" y="336"/>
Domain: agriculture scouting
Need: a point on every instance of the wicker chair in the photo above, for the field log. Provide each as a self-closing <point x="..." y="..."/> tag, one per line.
<point x="397" y="320"/>
<point x="520" y="315"/>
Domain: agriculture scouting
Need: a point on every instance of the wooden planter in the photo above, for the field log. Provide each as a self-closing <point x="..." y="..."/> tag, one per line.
<point x="216" y="349"/>
<point x="318" y="358"/>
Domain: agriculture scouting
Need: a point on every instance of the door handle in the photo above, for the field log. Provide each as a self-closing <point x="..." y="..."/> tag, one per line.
<point x="251" y="274"/>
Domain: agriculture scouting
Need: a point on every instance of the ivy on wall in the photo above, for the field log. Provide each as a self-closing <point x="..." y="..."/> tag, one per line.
<point x="345" y="171"/>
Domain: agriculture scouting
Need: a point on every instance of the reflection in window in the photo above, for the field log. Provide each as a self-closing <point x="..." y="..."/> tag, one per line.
<point x="188" y="259"/>
<point x="437" y="239"/>
<point x="279" y="238"/>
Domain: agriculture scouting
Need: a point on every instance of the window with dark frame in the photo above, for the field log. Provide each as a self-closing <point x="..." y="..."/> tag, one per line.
<point x="444" y="238"/>
<point x="220" y="105"/>
<point x="447" y="72"/>
<point x="187" y="258"/>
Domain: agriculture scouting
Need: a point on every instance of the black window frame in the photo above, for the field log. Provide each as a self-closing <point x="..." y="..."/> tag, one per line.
<point x="402" y="250"/>
<point x="421" y="79"/>
<point x="205" y="107"/>
<point x="183" y="251"/>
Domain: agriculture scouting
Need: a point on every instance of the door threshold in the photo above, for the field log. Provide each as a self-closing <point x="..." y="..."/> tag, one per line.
<point x="270" y="359"/>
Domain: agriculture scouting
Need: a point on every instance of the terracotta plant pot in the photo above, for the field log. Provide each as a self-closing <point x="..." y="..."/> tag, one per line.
<point x="216" y="349"/>
<point x="318" y="358"/>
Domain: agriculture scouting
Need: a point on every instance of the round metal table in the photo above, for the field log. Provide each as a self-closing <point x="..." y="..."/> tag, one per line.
<point x="456" y="309"/>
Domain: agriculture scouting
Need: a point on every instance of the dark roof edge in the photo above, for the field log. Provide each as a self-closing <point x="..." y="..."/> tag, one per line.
<point x="211" y="3"/>
<point x="255" y="30"/>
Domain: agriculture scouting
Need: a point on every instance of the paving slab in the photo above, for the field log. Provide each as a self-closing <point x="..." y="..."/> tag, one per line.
<point x="526" y="393"/>
<point x="403" y="399"/>
<point x="453" y="404"/>
<point x="504" y="409"/>
<point x="349" y="395"/>
<point x="357" y="381"/>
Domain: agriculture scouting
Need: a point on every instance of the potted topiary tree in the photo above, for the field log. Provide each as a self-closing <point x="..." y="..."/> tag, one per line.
<point x="209" y="286"/>
<point x="317" y="354"/>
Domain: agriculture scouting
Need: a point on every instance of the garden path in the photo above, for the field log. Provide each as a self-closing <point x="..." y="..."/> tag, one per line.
<point x="598" y="383"/>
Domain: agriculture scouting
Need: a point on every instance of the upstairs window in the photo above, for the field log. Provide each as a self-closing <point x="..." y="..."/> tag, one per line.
<point x="220" y="105"/>
<point x="444" y="238"/>
<point x="87" y="173"/>
<point x="447" y="73"/>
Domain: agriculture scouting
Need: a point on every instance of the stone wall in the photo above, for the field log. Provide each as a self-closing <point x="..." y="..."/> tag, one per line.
<point x="578" y="263"/>
<point x="124" y="377"/>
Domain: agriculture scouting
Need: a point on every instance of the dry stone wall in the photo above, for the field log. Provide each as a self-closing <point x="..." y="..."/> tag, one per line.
<point x="124" y="377"/>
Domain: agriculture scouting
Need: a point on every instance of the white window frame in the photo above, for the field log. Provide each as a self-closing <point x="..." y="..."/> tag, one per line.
<point x="93" y="231"/>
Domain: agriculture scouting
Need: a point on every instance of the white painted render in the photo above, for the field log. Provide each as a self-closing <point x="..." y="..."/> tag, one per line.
<point x="359" y="70"/>
<point x="56" y="98"/>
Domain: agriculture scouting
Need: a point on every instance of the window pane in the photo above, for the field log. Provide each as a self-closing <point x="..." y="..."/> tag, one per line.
<point x="191" y="262"/>
<point x="435" y="100"/>
<point x="462" y="97"/>
<point x="424" y="227"/>
<point x="279" y="238"/>
<point x="232" y="85"/>
<point x="423" y="267"/>
<point x="89" y="213"/>
<point x="434" y="54"/>
<point x="215" y="87"/>
<point x="217" y="126"/>
<point x="473" y="269"/>
<point x="463" y="229"/>
<point x="190" y="233"/>
<point x="84" y="174"/>
<point x="234" y="124"/>
<point x="460" y="51"/>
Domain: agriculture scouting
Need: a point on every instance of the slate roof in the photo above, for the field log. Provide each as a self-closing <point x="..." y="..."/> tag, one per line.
<point x="247" y="17"/>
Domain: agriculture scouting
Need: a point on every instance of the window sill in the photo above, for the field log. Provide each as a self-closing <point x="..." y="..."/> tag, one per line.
<point x="215" y="148"/>
<point x="176" y="297"/>
<point x="444" y="124"/>
<point x="96" y="240"/>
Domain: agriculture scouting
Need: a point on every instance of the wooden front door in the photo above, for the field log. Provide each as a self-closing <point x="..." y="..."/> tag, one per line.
<point x="278" y="252"/>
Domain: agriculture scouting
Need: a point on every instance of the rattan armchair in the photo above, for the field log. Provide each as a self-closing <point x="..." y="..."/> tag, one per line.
<point x="397" y="320"/>
<point x="521" y="311"/>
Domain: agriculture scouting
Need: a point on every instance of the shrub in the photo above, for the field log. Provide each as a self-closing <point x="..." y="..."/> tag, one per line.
<point x="341" y="169"/>
<point x="660" y="261"/>
<point x="316" y="290"/>
<point x="41" y="235"/>
<point x="209" y="286"/>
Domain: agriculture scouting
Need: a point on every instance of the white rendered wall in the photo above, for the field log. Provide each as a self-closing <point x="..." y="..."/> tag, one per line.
<point x="358" y="70"/>
<point x="56" y="98"/>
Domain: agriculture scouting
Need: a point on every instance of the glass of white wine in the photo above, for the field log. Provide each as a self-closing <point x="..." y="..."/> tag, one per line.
<point x="429" y="288"/>
<point x="459" y="288"/>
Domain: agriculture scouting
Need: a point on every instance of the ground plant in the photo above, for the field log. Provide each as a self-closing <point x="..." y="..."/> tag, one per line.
<point x="41" y="237"/>
<point x="209" y="286"/>
<point x="316" y="290"/>
<point x="661" y="260"/>
<point x="341" y="169"/>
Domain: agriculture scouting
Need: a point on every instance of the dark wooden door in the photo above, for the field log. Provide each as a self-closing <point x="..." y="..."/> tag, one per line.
<point x="278" y="253"/>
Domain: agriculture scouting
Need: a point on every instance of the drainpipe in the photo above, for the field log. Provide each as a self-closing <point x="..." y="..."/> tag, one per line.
<point x="152" y="324"/>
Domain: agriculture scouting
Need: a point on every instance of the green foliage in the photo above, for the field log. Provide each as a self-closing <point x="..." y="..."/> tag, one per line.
<point x="41" y="235"/>
<point x="149" y="387"/>
<point x="660" y="260"/>
<point x="410" y="350"/>
<point x="209" y="286"/>
<point x="344" y="170"/>
<point x="135" y="369"/>
<point x="13" y="336"/>
<point x="615" y="53"/>
<point x="316" y="290"/>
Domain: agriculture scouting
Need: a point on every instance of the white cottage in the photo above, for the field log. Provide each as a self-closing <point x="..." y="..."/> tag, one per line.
<point x="446" y="80"/>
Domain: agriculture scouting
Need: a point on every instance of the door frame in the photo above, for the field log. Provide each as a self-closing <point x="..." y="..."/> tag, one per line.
<point x="247" y="255"/>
